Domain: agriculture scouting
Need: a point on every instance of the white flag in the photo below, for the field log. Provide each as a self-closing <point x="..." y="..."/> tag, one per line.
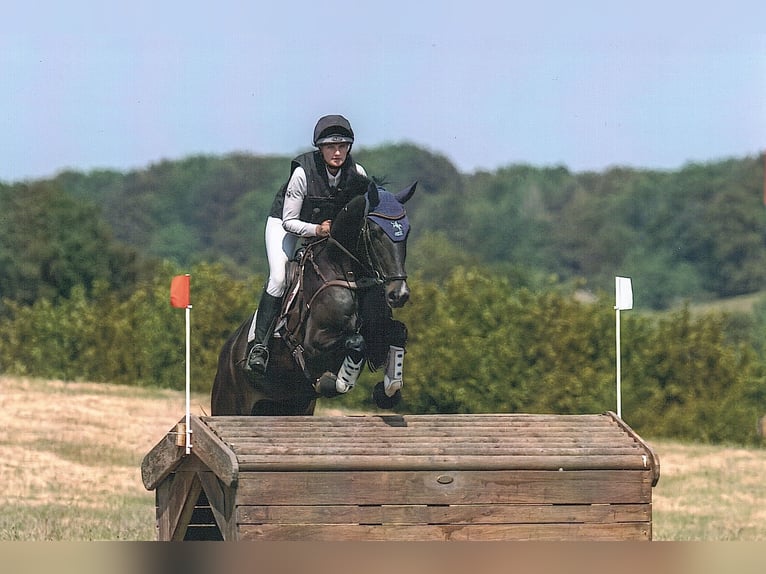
<point x="623" y="293"/>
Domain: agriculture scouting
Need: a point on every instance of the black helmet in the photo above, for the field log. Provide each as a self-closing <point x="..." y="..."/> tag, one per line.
<point x="333" y="129"/>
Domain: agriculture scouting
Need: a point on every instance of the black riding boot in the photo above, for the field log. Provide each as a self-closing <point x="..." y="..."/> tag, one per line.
<point x="268" y="310"/>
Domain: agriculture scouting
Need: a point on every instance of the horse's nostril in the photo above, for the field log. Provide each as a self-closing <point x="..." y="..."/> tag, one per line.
<point x="398" y="297"/>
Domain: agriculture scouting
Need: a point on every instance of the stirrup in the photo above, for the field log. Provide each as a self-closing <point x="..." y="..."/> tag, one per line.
<point x="258" y="358"/>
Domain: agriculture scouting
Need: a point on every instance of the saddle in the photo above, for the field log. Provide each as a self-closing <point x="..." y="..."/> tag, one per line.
<point x="292" y="316"/>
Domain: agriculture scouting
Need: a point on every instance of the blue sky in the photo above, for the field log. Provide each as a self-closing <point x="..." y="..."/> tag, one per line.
<point x="87" y="85"/>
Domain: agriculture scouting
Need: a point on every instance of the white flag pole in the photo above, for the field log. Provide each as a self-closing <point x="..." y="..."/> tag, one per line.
<point x="180" y="298"/>
<point x="188" y="378"/>
<point x="623" y="291"/>
<point x="619" y="374"/>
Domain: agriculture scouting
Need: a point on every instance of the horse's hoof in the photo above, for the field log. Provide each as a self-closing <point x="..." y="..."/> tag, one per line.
<point x="382" y="400"/>
<point x="326" y="386"/>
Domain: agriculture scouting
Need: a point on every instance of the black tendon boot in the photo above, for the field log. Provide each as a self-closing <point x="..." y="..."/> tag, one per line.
<point x="268" y="310"/>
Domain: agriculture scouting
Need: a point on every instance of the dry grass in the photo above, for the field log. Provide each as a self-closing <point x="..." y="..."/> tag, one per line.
<point x="78" y="441"/>
<point x="71" y="456"/>
<point x="710" y="493"/>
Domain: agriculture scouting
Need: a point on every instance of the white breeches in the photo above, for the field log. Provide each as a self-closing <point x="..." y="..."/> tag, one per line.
<point x="280" y="247"/>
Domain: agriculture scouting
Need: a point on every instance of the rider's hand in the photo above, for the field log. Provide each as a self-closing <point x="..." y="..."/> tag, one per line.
<point x="323" y="229"/>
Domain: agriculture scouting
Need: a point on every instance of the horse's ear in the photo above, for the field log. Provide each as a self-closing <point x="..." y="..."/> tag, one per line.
<point x="405" y="195"/>
<point x="373" y="197"/>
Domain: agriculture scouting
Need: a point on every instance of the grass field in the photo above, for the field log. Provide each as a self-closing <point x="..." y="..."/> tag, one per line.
<point x="71" y="456"/>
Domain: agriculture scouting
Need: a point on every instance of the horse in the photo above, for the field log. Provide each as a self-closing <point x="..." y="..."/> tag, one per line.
<point x="336" y="314"/>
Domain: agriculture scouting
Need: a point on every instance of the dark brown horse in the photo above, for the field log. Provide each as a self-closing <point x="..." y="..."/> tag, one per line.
<point x="339" y="316"/>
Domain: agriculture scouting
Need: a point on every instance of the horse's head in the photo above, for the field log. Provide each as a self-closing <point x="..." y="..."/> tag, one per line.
<point x="387" y="230"/>
<point x="380" y="244"/>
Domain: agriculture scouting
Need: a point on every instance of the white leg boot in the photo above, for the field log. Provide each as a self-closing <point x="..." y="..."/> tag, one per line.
<point x="348" y="374"/>
<point x="392" y="380"/>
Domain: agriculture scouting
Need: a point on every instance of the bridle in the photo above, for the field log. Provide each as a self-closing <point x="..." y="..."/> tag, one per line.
<point x="371" y="265"/>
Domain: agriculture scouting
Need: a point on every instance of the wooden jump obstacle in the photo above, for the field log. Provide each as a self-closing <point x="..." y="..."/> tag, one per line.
<point x="411" y="477"/>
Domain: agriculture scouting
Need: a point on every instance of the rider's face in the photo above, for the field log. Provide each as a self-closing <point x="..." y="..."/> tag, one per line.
<point x="334" y="155"/>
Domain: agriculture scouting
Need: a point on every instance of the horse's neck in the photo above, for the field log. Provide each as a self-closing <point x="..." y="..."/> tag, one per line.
<point x="325" y="261"/>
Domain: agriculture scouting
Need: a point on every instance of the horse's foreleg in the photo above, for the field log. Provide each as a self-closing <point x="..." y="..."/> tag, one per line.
<point x="393" y="379"/>
<point x="352" y="363"/>
<point x="330" y="384"/>
<point x="387" y="393"/>
<point x="397" y="339"/>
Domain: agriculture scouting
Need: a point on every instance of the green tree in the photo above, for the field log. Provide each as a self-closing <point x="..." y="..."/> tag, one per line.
<point x="50" y="243"/>
<point x="690" y="382"/>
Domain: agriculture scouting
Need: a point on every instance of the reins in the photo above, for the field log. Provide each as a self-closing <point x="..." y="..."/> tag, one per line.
<point x="372" y="276"/>
<point x="371" y="268"/>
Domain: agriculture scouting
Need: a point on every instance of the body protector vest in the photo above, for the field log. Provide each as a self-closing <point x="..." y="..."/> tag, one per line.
<point x="322" y="202"/>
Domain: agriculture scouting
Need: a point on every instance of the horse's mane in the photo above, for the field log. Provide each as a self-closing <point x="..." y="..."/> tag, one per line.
<point x="345" y="228"/>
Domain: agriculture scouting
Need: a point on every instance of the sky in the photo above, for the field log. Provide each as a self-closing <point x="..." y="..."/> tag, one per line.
<point x="122" y="85"/>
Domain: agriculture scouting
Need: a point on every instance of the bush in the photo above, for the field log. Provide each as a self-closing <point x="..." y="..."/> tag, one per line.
<point x="139" y="340"/>
<point x="477" y="344"/>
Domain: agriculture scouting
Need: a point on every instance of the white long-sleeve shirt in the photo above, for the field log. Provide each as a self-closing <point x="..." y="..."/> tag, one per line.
<point x="294" y="196"/>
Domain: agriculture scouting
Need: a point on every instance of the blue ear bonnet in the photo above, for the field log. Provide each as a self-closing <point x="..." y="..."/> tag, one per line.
<point x="390" y="215"/>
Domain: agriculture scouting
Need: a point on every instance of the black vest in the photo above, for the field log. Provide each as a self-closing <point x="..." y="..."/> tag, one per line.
<point x="322" y="202"/>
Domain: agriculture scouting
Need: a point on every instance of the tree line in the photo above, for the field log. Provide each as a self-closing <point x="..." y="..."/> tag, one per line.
<point x="496" y="260"/>
<point x="698" y="233"/>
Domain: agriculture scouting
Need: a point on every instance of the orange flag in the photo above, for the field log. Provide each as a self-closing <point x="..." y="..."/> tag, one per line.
<point x="180" y="291"/>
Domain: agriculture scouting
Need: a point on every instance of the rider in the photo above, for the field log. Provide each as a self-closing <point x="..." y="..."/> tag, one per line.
<point x="321" y="182"/>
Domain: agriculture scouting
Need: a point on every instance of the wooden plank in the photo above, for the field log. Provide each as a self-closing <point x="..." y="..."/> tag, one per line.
<point x="222" y="504"/>
<point x="428" y="449"/>
<point x="452" y="514"/>
<point x="655" y="460"/>
<point x="160" y="461"/>
<point x="370" y="426"/>
<point x="304" y="442"/>
<point x="416" y="422"/>
<point x="258" y="445"/>
<point x="254" y="445"/>
<point x="176" y="498"/>
<point x="428" y="487"/>
<point x="161" y="498"/>
<point x="424" y="419"/>
<point x="412" y="423"/>
<point x="301" y="462"/>
<point x="213" y="452"/>
<point x="537" y="532"/>
<point x="361" y="437"/>
<point x="165" y="457"/>
<point x="375" y="436"/>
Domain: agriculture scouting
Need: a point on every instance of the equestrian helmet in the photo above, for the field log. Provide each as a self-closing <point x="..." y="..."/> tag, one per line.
<point x="333" y="129"/>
